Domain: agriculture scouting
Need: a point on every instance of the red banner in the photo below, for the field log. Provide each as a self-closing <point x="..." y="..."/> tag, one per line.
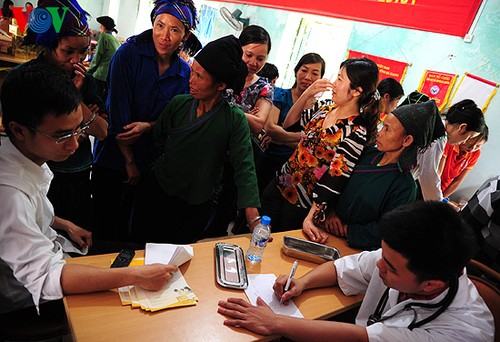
<point x="453" y="17"/>
<point x="386" y="67"/>
<point x="437" y="85"/>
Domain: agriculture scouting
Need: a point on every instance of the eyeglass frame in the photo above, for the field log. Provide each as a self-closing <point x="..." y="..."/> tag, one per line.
<point x="78" y="132"/>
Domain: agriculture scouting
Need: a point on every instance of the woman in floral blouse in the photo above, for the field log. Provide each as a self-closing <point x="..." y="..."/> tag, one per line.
<point x="330" y="146"/>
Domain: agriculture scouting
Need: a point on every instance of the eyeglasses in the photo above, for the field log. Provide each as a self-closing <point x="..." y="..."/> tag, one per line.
<point x="61" y="139"/>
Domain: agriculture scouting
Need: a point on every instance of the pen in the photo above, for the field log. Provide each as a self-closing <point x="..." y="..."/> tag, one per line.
<point x="289" y="280"/>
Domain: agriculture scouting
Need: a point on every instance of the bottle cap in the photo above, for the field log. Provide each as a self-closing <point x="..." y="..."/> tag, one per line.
<point x="265" y="220"/>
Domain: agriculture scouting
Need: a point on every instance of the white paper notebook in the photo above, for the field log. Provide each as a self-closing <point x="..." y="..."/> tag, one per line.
<point x="261" y="285"/>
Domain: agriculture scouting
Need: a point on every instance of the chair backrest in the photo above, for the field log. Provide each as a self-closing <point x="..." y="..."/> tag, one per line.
<point x="489" y="291"/>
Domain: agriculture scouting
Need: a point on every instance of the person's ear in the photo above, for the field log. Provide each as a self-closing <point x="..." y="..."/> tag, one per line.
<point x="357" y="91"/>
<point x="386" y="97"/>
<point x="430" y="286"/>
<point x="462" y="128"/>
<point x="408" y="140"/>
<point x="18" y="131"/>
<point x="221" y="86"/>
<point x="186" y="36"/>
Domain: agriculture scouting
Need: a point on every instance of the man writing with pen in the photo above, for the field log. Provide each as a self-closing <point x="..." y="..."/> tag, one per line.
<point x="415" y="286"/>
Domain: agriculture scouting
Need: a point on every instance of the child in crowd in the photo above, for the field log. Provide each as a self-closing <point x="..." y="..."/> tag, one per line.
<point x="459" y="160"/>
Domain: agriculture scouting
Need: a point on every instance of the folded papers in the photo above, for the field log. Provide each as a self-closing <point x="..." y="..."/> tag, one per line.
<point x="176" y="291"/>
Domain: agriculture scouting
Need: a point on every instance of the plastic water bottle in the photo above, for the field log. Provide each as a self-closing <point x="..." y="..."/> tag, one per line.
<point x="260" y="236"/>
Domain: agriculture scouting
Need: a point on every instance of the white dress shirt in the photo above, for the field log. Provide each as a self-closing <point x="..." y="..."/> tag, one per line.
<point x="466" y="319"/>
<point x="31" y="252"/>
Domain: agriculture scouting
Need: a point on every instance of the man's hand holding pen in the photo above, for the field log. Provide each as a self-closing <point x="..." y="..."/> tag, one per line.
<point x="286" y="287"/>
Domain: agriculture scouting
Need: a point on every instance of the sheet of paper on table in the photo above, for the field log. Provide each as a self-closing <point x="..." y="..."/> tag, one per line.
<point x="261" y="285"/>
<point x="164" y="253"/>
<point x="176" y="291"/>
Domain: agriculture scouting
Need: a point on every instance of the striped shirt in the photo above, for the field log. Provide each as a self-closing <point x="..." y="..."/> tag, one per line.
<point x="323" y="160"/>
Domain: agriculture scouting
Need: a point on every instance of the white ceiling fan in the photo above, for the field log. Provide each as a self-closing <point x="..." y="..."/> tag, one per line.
<point x="234" y="19"/>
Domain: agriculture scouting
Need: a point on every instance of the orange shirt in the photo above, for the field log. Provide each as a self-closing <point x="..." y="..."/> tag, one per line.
<point x="455" y="164"/>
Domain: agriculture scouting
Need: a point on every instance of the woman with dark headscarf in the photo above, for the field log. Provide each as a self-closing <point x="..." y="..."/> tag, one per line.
<point x="144" y="75"/>
<point x="106" y="48"/>
<point x="381" y="180"/>
<point x="193" y="134"/>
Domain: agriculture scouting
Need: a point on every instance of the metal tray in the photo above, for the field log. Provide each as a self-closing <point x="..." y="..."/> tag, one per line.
<point x="230" y="266"/>
<point x="308" y="250"/>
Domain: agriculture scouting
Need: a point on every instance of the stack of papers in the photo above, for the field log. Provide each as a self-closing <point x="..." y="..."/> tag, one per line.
<point x="176" y="291"/>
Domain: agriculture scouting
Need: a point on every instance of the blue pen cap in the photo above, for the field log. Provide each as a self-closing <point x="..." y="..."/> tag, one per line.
<point x="265" y="220"/>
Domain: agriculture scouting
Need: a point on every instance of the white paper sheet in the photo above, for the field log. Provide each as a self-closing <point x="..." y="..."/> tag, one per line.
<point x="261" y="285"/>
<point x="163" y="253"/>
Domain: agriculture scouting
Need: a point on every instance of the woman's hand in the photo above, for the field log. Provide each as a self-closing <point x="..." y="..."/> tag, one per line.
<point x="334" y="225"/>
<point x="133" y="131"/>
<point x="312" y="232"/>
<point x="79" y="75"/>
<point x="133" y="173"/>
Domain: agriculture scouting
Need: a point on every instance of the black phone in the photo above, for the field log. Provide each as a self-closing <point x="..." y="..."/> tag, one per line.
<point x="124" y="258"/>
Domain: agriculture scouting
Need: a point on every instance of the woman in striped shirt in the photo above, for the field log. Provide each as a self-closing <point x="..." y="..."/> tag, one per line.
<point x="330" y="146"/>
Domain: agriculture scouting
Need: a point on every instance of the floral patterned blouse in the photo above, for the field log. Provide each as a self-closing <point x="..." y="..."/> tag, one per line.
<point x="323" y="160"/>
<point x="249" y="96"/>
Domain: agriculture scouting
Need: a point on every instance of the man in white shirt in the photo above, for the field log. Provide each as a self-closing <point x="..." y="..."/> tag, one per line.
<point x="43" y="119"/>
<point x="415" y="286"/>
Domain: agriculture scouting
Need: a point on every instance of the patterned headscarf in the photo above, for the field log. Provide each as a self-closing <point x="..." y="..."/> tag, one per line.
<point x="184" y="10"/>
<point x="41" y="30"/>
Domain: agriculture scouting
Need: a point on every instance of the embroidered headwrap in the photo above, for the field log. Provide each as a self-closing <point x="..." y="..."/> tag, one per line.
<point x="41" y="28"/>
<point x="184" y="10"/>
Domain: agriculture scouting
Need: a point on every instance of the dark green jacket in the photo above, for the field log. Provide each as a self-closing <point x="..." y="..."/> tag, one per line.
<point x="192" y="151"/>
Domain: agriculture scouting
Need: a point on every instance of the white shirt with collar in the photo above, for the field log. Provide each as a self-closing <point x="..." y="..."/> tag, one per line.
<point x="466" y="319"/>
<point x="31" y="252"/>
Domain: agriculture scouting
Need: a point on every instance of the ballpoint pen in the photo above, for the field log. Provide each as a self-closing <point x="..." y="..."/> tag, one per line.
<point x="289" y="280"/>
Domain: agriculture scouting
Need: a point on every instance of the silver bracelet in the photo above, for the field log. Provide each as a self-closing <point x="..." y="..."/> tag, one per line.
<point x="249" y="224"/>
<point x="92" y="119"/>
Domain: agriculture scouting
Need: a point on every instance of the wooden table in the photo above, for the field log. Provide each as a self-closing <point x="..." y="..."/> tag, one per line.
<point x="101" y="317"/>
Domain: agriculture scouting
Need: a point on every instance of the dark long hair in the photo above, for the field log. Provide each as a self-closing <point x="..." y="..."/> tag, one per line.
<point x="467" y="112"/>
<point x="253" y="34"/>
<point x="309" y="58"/>
<point x="363" y="73"/>
<point x="392" y="87"/>
<point x="6" y="11"/>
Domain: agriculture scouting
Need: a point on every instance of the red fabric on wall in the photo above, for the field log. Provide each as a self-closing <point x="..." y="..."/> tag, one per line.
<point x="453" y="17"/>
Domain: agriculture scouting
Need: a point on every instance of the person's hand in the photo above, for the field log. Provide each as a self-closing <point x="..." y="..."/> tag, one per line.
<point x="153" y="277"/>
<point x="253" y="111"/>
<point x="259" y="319"/>
<point x="319" y="86"/>
<point x="133" y="131"/>
<point x="295" y="289"/>
<point x="334" y="225"/>
<point x="79" y="75"/>
<point x="312" y="232"/>
<point x="78" y="235"/>
<point x="133" y="173"/>
<point x="266" y="141"/>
